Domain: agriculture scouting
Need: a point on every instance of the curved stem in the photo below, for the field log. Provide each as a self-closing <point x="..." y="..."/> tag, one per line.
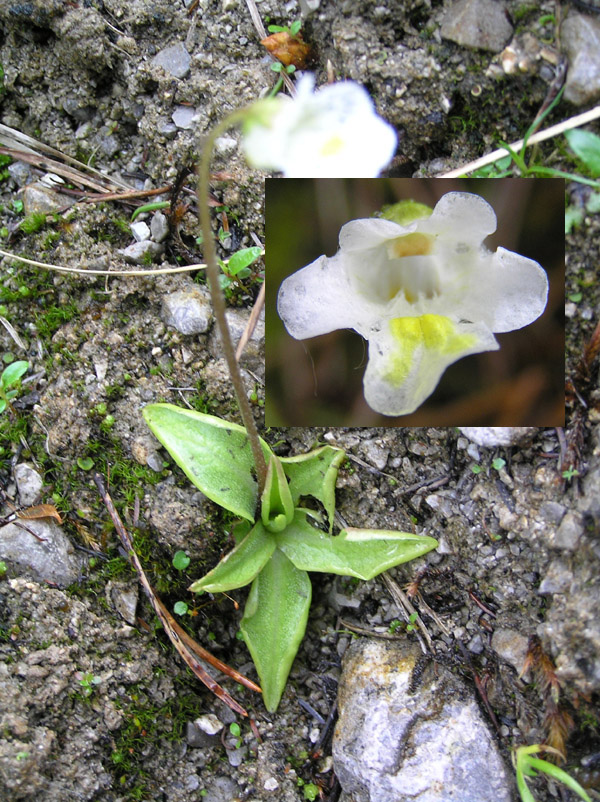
<point x="218" y="300"/>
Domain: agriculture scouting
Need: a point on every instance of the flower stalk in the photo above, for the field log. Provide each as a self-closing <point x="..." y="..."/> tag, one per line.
<point x="218" y="299"/>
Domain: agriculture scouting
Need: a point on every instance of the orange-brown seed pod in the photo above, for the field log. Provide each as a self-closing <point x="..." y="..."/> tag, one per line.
<point x="288" y="49"/>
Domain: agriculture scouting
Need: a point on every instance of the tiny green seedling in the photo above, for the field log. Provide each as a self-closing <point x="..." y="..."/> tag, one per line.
<point x="235" y="730"/>
<point x="180" y="560"/>
<point x="277" y="66"/>
<point x="412" y="619"/>
<point x="476" y="469"/>
<point x="180" y="608"/>
<point x="498" y="463"/>
<point x="10" y="382"/>
<point x="570" y="472"/>
<point x="85" y="463"/>
<point x="281" y="541"/>
<point x="87" y="682"/>
<point x="527" y="765"/>
<point x="3" y="569"/>
<point x="293" y="29"/>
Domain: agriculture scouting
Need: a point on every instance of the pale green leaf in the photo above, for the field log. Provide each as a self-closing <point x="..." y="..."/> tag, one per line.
<point x="362" y="553"/>
<point x="241" y="259"/>
<point x="274" y="623"/>
<point x="276" y="507"/>
<point x="586" y="145"/>
<point x="315" y="474"/>
<point x="13" y="372"/>
<point x="214" y="454"/>
<point x="241" y="565"/>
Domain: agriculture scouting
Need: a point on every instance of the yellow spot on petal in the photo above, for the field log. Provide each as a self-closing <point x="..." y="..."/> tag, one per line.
<point x="332" y="146"/>
<point x="415" y="244"/>
<point x="435" y="333"/>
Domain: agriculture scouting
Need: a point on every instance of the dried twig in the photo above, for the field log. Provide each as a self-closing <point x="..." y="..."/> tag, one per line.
<point x="253" y="320"/>
<point x="548" y="133"/>
<point x="407" y="610"/>
<point x="186" y="646"/>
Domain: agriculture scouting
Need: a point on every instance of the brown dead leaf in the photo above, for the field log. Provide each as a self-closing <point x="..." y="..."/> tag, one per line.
<point x="40" y="511"/>
<point x="288" y="49"/>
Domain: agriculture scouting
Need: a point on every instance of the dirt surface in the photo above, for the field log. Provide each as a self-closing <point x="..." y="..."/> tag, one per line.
<point x="79" y="77"/>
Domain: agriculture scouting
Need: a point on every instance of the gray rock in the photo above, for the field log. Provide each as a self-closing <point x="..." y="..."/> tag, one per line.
<point x="188" y="311"/>
<point x="174" y="59"/>
<point x="159" y="227"/>
<point x="124" y="599"/>
<point x="552" y="512"/>
<point x="511" y="646"/>
<point x="139" y="253"/>
<point x="490" y="436"/>
<point x="140" y="231"/>
<point x="557" y="580"/>
<point x="185" y="117"/>
<point x="375" y="454"/>
<point x="38" y="199"/>
<point x="29" y="484"/>
<point x="225" y="144"/>
<point x="580" y="35"/>
<point x="394" y="746"/>
<point x="51" y="560"/>
<point x="569" y="533"/>
<point x="478" y="23"/>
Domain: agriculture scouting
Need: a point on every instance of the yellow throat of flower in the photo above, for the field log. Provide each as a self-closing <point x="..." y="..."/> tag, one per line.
<point x="435" y="333"/>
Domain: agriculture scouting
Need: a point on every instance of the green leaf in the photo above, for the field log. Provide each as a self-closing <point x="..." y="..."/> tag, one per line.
<point x="277" y="508"/>
<point x="558" y="774"/>
<point x="274" y="623"/>
<point x="13" y="372"/>
<point x="214" y="454"/>
<point x="315" y="474"/>
<point x="362" y="553"/>
<point x="238" y="261"/>
<point x="295" y="27"/>
<point x="180" y="560"/>
<point x="586" y="145"/>
<point x="180" y="608"/>
<point x="241" y="565"/>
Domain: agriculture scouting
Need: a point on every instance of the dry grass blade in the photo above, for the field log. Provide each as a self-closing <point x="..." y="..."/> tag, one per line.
<point x="251" y="325"/>
<point x="186" y="647"/>
<point x="14" y="140"/>
<point x="548" y="133"/>
<point x="40" y="511"/>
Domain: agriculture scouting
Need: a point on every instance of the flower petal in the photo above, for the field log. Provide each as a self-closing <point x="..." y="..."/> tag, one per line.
<point x="462" y="216"/>
<point x="408" y="357"/>
<point x="510" y="292"/>
<point x="318" y="299"/>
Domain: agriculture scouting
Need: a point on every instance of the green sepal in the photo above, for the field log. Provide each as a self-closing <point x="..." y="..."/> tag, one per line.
<point x="315" y="474"/>
<point x="241" y="565"/>
<point x="405" y="212"/>
<point x="274" y="623"/>
<point x="362" y="553"/>
<point x="276" y="505"/>
<point x="214" y="454"/>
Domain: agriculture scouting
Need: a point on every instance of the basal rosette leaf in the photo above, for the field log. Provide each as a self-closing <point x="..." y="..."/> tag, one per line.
<point x="214" y="454"/>
<point x="362" y="553"/>
<point x="241" y="565"/>
<point x="315" y="474"/>
<point x="274" y="623"/>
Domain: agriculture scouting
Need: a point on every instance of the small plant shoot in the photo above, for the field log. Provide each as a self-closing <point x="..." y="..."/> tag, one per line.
<point x="10" y="382"/>
<point x="281" y="541"/>
<point x="527" y="765"/>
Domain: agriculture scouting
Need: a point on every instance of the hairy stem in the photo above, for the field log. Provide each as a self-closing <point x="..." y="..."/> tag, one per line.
<point x="218" y="300"/>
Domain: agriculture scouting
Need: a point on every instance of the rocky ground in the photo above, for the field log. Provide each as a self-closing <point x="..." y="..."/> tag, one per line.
<point x="94" y="703"/>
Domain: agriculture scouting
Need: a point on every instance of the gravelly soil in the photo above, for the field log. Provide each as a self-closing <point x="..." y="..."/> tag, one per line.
<point x="68" y="65"/>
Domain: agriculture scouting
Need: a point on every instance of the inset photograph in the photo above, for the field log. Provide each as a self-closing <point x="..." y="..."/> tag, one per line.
<point x="414" y="302"/>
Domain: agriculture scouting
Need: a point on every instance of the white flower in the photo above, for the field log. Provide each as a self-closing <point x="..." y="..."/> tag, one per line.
<point x="334" y="132"/>
<point x="424" y="293"/>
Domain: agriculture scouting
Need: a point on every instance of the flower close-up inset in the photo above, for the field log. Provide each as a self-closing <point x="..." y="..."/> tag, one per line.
<point x="420" y="286"/>
<point x="334" y="131"/>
